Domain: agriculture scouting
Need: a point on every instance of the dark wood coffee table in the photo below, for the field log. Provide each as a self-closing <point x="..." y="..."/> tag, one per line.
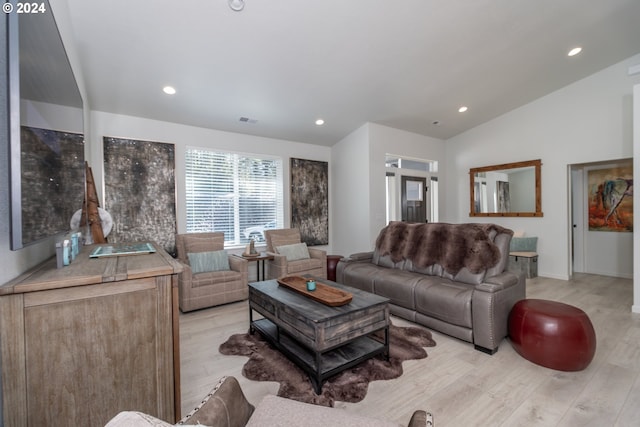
<point x="320" y="339"/>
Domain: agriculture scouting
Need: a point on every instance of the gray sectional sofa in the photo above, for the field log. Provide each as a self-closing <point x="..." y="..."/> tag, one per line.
<point x="452" y="278"/>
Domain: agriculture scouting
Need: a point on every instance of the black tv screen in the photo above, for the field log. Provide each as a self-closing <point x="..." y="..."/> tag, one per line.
<point x="46" y="130"/>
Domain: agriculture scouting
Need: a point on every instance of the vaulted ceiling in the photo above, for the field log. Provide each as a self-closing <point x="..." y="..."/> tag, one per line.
<point x="282" y="64"/>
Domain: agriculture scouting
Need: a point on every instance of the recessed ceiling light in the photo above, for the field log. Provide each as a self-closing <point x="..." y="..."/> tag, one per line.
<point x="574" y="51"/>
<point x="169" y="90"/>
<point x="462" y="109"/>
<point x="236" y="5"/>
<point x="319" y="122"/>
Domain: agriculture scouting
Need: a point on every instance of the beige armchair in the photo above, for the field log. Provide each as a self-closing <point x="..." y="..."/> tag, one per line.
<point x="284" y="265"/>
<point x="211" y="283"/>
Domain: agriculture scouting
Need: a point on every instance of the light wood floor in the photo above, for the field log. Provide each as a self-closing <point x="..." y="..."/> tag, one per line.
<point x="462" y="386"/>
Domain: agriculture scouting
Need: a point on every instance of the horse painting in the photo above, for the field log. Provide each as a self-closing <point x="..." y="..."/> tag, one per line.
<point x="611" y="200"/>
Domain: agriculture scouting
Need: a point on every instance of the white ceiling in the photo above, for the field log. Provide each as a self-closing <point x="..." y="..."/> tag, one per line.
<point x="400" y="63"/>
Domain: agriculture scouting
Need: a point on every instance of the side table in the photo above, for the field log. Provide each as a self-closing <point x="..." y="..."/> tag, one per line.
<point x="259" y="259"/>
<point x="332" y="263"/>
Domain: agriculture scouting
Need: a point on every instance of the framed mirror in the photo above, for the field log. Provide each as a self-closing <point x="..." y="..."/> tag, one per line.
<point x="511" y="189"/>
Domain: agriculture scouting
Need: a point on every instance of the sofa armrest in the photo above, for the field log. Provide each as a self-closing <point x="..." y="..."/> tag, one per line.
<point x="359" y="257"/>
<point x="238" y="264"/>
<point x="421" y="419"/>
<point x="499" y="282"/>
<point x="186" y="272"/>
<point x="492" y="301"/>
<point x="225" y="406"/>
<point x="276" y="267"/>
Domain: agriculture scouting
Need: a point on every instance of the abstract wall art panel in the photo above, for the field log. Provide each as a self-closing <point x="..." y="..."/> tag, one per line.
<point x="52" y="182"/>
<point x="140" y="191"/>
<point x="310" y="200"/>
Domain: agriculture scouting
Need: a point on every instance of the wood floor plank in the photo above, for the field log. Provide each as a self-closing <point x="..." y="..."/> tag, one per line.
<point x="459" y="385"/>
<point x="602" y="398"/>
<point x="630" y="413"/>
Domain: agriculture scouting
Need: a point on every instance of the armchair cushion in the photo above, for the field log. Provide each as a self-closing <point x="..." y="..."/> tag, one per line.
<point x="201" y="262"/>
<point x="217" y="279"/>
<point x="294" y="252"/>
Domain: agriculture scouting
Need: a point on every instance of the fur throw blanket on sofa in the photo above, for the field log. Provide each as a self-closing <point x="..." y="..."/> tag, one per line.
<point x="453" y="246"/>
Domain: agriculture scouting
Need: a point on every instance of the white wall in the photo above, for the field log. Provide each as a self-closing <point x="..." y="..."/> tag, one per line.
<point x="114" y="125"/>
<point x="385" y="140"/>
<point x="587" y="121"/>
<point x="349" y="168"/>
<point x="359" y="177"/>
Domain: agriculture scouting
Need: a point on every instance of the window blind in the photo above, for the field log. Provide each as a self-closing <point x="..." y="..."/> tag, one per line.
<point x="238" y="194"/>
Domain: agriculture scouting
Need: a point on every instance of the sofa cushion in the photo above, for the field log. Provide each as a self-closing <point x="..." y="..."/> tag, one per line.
<point x="201" y="262"/>
<point x="397" y="285"/>
<point x="360" y="275"/>
<point x="463" y="275"/>
<point x="444" y="300"/>
<point x="385" y="261"/>
<point x="304" y="265"/>
<point x="294" y="252"/>
<point x="502" y="241"/>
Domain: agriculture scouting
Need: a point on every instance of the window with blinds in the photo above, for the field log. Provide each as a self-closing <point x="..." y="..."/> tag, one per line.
<point x="238" y="194"/>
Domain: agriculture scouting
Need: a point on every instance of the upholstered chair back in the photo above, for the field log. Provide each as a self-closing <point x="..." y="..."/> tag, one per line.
<point x="281" y="237"/>
<point x="198" y="242"/>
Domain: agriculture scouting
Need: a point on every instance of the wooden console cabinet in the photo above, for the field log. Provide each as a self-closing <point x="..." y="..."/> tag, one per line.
<point x="82" y="343"/>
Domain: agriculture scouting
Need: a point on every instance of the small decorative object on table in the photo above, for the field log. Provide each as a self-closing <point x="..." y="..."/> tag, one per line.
<point x="311" y="285"/>
<point x="250" y="251"/>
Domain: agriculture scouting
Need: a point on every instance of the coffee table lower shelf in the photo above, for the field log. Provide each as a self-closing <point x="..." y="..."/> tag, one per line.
<point x="321" y="365"/>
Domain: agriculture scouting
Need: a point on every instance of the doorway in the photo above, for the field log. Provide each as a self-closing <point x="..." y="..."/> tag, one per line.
<point x="413" y="199"/>
<point x="411" y="189"/>
<point x="599" y="245"/>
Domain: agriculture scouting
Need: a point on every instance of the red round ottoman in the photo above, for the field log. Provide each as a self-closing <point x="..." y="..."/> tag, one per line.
<point x="552" y="334"/>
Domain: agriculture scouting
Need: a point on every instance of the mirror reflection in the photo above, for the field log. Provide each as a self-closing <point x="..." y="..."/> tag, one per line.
<point x="511" y="189"/>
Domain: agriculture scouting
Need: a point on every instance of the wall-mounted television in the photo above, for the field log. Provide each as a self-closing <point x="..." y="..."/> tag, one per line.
<point x="46" y="134"/>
